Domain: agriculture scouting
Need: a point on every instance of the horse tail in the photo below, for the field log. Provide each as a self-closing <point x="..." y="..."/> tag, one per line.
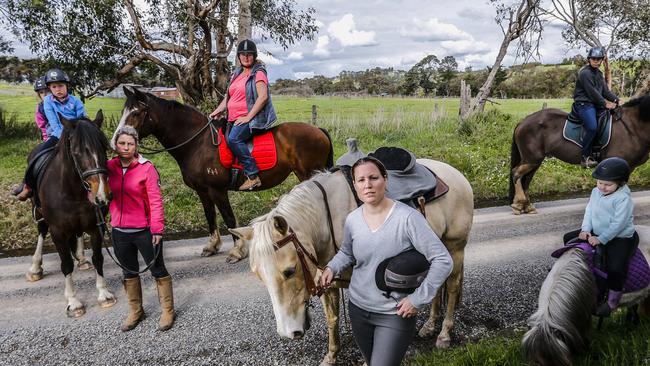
<point x="515" y="159"/>
<point x="558" y="327"/>
<point x="330" y="155"/>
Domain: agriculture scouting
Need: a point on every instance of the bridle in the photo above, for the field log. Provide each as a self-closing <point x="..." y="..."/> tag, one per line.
<point x="303" y="254"/>
<point x="213" y="132"/>
<point x="83" y="175"/>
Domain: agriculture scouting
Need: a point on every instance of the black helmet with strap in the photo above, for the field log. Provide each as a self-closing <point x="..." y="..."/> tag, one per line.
<point x="39" y="84"/>
<point x="402" y="273"/>
<point x="247" y="46"/>
<point x="612" y="169"/>
<point x="596" y="52"/>
<point x="56" y="75"/>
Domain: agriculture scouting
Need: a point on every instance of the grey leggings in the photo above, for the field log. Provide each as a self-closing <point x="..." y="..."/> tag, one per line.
<point x="382" y="338"/>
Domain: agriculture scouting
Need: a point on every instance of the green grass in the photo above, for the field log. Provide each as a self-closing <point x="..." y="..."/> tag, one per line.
<point x="478" y="147"/>
<point x="616" y="344"/>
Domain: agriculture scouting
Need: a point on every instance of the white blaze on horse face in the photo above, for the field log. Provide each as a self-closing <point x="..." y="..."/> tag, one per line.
<point x="102" y="190"/>
<point x="125" y="115"/>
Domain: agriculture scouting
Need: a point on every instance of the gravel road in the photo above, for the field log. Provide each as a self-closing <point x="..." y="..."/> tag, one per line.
<point x="225" y="315"/>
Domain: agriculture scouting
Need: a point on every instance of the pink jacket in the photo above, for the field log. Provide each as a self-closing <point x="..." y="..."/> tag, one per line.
<point x="41" y="122"/>
<point x="137" y="202"/>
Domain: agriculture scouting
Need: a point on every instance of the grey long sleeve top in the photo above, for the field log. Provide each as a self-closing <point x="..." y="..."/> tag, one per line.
<point x="591" y="87"/>
<point x="403" y="229"/>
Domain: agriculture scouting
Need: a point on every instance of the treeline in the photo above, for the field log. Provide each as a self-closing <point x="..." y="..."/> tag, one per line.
<point x="434" y="77"/>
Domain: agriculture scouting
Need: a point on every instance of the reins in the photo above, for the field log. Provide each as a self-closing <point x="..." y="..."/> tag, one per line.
<point x="213" y="131"/>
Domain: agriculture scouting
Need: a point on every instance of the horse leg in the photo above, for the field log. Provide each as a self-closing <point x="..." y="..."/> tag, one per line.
<point x="63" y="244"/>
<point x="105" y="298"/>
<point x="529" y="208"/>
<point x="35" y="272"/>
<point x="520" y="201"/>
<point x="214" y="243"/>
<point x="430" y="324"/>
<point x="330" y="301"/>
<point x="82" y="263"/>
<point x="454" y="287"/>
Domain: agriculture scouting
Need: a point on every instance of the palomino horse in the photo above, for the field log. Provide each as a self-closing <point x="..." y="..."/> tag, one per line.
<point x="540" y="135"/>
<point x="301" y="148"/>
<point x="559" y="327"/>
<point x="72" y="187"/>
<point x="301" y="216"/>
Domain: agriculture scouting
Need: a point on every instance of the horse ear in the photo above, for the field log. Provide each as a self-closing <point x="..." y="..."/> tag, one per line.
<point x="139" y="95"/>
<point x="99" y="118"/>
<point x="66" y="123"/>
<point x="127" y="91"/>
<point x="244" y="233"/>
<point x="280" y="224"/>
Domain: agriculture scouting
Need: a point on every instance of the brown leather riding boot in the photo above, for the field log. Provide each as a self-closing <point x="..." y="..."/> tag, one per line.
<point x="250" y="184"/>
<point x="24" y="194"/>
<point x="166" y="298"/>
<point x="134" y="296"/>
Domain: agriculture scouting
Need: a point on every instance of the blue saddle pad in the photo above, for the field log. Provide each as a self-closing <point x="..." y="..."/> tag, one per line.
<point x="573" y="132"/>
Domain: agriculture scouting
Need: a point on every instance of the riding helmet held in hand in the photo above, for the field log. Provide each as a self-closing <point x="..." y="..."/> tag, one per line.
<point x="612" y="169"/>
<point x="402" y="273"/>
<point x="596" y="52"/>
<point x="247" y="46"/>
<point x="56" y="75"/>
<point x="39" y="84"/>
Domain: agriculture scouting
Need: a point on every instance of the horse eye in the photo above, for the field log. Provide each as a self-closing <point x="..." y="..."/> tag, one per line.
<point x="289" y="272"/>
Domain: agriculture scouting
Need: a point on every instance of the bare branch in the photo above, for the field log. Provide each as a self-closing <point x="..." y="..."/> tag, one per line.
<point x="109" y="85"/>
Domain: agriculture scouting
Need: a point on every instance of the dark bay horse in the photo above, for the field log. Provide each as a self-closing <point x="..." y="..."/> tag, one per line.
<point x="182" y="130"/>
<point x="72" y="187"/>
<point x="540" y="135"/>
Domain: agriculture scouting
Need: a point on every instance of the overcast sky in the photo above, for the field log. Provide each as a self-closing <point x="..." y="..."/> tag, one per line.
<point x="357" y="35"/>
<point x="360" y="34"/>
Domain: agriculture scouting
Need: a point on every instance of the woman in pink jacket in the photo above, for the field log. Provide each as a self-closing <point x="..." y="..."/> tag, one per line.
<point x="137" y="218"/>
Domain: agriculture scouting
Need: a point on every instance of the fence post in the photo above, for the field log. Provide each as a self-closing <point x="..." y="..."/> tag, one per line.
<point x="544" y="105"/>
<point x="314" y="114"/>
<point x="465" y="99"/>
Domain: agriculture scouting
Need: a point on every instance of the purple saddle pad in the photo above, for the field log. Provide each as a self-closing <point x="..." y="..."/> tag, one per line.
<point x="638" y="273"/>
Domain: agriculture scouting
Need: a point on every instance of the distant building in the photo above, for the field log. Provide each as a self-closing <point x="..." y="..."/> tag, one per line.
<point x="164" y="92"/>
<point x="118" y="92"/>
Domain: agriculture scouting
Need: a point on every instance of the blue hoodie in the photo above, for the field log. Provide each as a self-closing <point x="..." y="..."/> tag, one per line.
<point x="70" y="108"/>
<point x="609" y="216"/>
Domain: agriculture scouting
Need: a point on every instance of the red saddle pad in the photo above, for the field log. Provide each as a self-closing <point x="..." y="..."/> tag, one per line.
<point x="264" y="152"/>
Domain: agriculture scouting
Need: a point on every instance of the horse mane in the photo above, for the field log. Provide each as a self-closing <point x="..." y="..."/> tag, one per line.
<point x="169" y="105"/>
<point x="85" y="132"/>
<point x="301" y="207"/>
<point x="558" y="327"/>
<point x="643" y="103"/>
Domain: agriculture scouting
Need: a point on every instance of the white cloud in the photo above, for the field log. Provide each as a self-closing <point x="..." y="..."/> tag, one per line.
<point x="304" y="74"/>
<point x="344" y="31"/>
<point x="465" y="47"/>
<point x="318" y="23"/>
<point x="434" y="30"/>
<point x="295" y="56"/>
<point x="321" y="47"/>
<point x="269" y="59"/>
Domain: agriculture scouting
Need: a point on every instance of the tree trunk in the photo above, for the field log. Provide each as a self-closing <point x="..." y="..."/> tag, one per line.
<point x="222" y="36"/>
<point x="245" y="28"/>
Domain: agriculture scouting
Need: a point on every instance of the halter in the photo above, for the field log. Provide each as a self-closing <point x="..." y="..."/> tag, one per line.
<point x="86" y="173"/>
<point x="312" y="287"/>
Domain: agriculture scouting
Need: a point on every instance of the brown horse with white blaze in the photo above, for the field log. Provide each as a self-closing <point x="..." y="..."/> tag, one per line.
<point x="540" y="135"/>
<point x="188" y="136"/>
<point x="301" y="216"/>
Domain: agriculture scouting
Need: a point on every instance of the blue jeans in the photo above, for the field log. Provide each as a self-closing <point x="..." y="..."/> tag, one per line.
<point x="587" y="113"/>
<point x="237" y="141"/>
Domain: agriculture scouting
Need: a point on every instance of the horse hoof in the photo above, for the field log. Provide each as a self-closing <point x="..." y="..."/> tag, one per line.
<point x="232" y="259"/>
<point x="76" y="312"/>
<point x="442" y="343"/>
<point x="33" y="277"/>
<point x="426" y="330"/>
<point x="517" y="209"/>
<point x="85" y="265"/>
<point x="208" y="253"/>
<point x="530" y="209"/>
<point x="108" y="302"/>
<point x="326" y="363"/>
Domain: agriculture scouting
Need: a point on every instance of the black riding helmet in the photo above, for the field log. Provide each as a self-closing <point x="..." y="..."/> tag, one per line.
<point x="612" y="169"/>
<point x="596" y="52"/>
<point x="247" y="46"/>
<point x="39" y="84"/>
<point x="402" y="273"/>
<point x="56" y="75"/>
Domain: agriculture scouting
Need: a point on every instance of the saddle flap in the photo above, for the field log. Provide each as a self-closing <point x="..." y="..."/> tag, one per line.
<point x="263" y="151"/>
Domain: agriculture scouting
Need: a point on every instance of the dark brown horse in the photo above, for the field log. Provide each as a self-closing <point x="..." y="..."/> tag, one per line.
<point x="540" y="135"/>
<point x="72" y="187"/>
<point x="184" y="133"/>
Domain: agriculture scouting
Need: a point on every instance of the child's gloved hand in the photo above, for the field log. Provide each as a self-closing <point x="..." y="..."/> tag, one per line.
<point x="584" y="235"/>
<point x="593" y="241"/>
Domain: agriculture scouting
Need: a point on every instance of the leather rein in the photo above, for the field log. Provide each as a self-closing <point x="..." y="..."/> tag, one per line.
<point x="304" y="255"/>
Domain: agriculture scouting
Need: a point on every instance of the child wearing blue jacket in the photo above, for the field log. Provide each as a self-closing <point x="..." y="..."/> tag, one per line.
<point x="608" y="221"/>
<point x="58" y="102"/>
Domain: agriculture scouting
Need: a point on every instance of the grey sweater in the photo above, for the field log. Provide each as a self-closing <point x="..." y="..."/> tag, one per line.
<point x="404" y="229"/>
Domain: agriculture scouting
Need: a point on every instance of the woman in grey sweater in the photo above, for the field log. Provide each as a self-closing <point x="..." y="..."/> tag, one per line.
<point x="382" y="228"/>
